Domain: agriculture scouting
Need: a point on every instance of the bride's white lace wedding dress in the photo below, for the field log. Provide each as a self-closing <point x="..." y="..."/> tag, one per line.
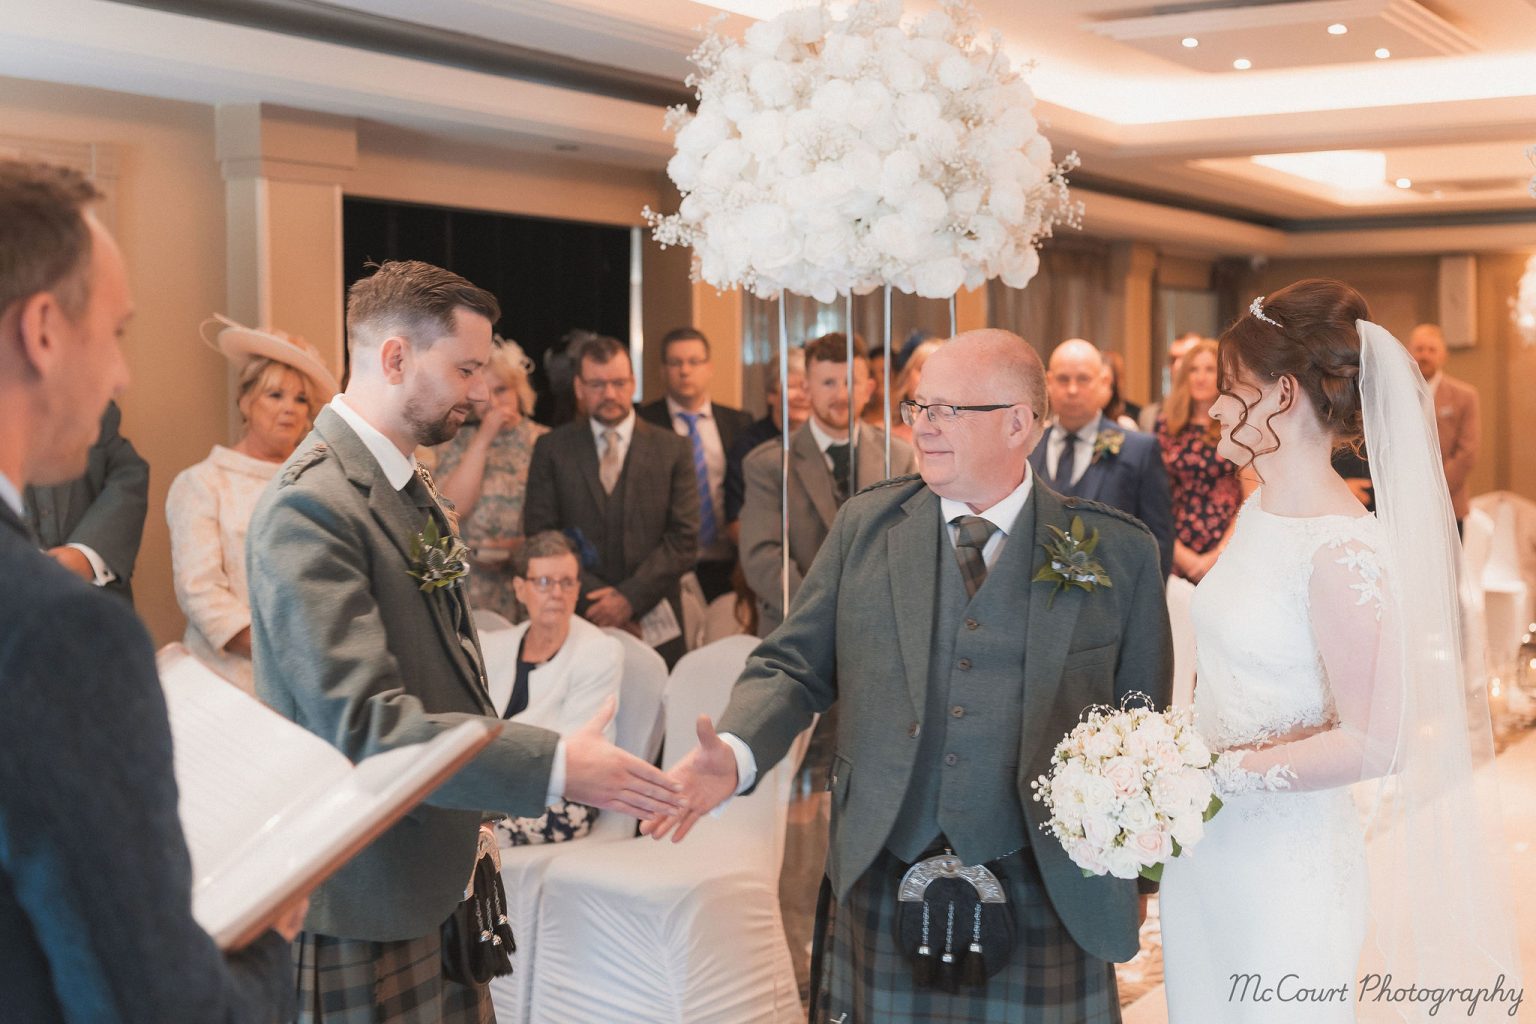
<point x="1264" y="919"/>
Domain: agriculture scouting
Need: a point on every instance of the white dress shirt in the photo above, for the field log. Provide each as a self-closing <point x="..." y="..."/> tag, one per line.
<point x="1056" y="444"/>
<point x="398" y="469"/>
<point x="1001" y="515"/>
<point x="11" y="496"/>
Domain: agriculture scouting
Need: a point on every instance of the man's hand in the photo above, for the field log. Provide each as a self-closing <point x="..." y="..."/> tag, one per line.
<point x="71" y="559"/>
<point x="609" y="608"/>
<point x="599" y="774"/>
<point x="707" y="775"/>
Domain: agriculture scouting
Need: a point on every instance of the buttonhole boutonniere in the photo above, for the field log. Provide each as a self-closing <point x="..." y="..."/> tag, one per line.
<point x="1107" y="445"/>
<point x="437" y="560"/>
<point x="1070" y="562"/>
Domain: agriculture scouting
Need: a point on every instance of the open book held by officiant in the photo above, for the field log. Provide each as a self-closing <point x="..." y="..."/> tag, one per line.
<point x="269" y="809"/>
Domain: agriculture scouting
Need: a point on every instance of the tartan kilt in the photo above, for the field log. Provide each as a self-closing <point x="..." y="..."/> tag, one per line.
<point x="1049" y="980"/>
<point x="354" y="981"/>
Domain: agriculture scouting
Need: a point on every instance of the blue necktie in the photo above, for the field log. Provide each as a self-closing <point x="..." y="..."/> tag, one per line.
<point x="709" y="529"/>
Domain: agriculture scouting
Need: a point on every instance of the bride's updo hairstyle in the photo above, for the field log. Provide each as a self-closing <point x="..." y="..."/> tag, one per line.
<point x="1307" y="331"/>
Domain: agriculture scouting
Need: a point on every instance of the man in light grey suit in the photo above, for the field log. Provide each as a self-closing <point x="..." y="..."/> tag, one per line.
<point x="351" y="645"/>
<point x="819" y="476"/>
<point x="958" y="674"/>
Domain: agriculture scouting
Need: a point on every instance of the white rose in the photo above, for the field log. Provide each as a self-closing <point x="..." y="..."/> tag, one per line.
<point x="833" y="99"/>
<point x="1187" y="830"/>
<point x="1122" y="862"/>
<point x="918" y="112"/>
<point x="737" y="106"/>
<point x="804" y="24"/>
<point x="766" y="36"/>
<point x="1006" y="201"/>
<point x="703" y="132"/>
<point x="683" y="169"/>
<point x="773" y="83"/>
<point x="893" y="236"/>
<point x="935" y="25"/>
<point x="926" y="206"/>
<point x="1138" y="814"/>
<point x="792" y="161"/>
<point x="1020" y="267"/>
<point x="1099" y="830"/>
<point x="956" y="72"/>
<point x="871" y="101"/>
<point x="1086" y="856"/>
<point x="901" y="72"/>
<point x="1124" y="774"/>
<point x="1152" y="846"/>
<point x="844" y="55"/>
<point x="1102" y="744"/>
<point x="723" y="166"/>
<point x="938" y="279"/>
<point x="763" y="133"/>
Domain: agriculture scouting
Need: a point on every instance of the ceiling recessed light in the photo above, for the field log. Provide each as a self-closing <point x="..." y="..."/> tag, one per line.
<point x="1404" y="183"/>
<point x="1382" y="53"/>
<point x="1338" y="28"/>
<point x="1242" y="64"/>
<point x="1189" y="42"/>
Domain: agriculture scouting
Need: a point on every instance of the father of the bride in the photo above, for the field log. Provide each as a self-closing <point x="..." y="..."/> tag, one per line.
<point x="957" y="673"/>
<point x="349" y="643"/>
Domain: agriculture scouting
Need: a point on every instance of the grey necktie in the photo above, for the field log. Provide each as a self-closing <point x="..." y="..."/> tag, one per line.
<point x="1067" y="463"/>
<point x="971" y="536"/>
<point x="612" y="465"/>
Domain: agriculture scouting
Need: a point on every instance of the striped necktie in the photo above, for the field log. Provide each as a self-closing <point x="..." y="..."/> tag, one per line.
<point x="709" y="526"/>
<point x="972" y="534"/>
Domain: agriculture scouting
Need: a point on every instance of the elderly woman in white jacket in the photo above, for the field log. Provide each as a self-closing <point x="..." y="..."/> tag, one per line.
<point x="552" y="670"/>
<point x="282" y="385"/>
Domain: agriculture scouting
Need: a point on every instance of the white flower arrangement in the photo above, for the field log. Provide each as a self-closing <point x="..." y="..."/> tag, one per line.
<point x="1129" y="789"/>
<point x="833" y="155"/>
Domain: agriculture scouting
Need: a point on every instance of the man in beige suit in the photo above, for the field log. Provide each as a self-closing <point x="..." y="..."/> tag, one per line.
<point x="822" y="475"/>
<point x="1456" y="414"/>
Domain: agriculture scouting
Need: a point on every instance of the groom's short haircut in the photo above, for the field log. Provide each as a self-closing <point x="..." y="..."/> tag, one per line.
<point x="45" y="242"/>
<point x="414" y="300"/>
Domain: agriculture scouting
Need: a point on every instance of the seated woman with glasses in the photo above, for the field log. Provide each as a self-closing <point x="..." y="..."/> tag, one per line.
<point x="552" y="670"/>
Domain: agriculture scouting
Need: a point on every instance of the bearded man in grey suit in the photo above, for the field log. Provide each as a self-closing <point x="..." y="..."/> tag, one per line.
<point x="822" y="475"/>
<point x="353" y="640"/>
<point x="958" y="674"/>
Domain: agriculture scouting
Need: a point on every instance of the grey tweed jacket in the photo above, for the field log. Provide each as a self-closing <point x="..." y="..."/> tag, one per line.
<point x="860" y="632"/>
<point x="347" y="646"/>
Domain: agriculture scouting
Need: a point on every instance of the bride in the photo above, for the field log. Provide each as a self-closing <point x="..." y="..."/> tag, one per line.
<point x="1354" y="871"/>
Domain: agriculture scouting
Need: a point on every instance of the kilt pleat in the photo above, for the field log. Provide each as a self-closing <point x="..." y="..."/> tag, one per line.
<point x="353" y="981"/>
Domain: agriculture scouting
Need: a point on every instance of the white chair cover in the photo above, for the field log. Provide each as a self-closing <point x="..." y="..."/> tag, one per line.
<point x="487" y="621"/>
<point x="655" y="932"/>
<point x="720" y="619"/>
<point x="638" y="729"/>
<point x="1181" y="594"/>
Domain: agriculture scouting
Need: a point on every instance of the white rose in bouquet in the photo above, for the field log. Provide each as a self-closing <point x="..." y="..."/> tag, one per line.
<point x="1123" y="794"/>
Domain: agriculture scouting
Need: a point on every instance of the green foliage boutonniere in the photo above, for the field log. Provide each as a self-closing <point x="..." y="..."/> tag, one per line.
<point x="437" y="560"/>
<point x="1107" y="445"/>
<point x="1070" y="561"/>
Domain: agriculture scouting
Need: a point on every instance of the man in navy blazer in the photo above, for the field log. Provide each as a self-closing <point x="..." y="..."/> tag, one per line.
<point x="89" y="929"/>
<point x="1084" y="455"/>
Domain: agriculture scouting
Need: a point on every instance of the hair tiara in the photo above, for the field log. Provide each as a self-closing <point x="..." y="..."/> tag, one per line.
<point x="1256" y="307"/>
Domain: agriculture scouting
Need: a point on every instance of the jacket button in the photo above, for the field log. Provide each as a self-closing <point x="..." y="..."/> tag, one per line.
<point x="951" y="760"/>
<point x="914" y="729"/>
<point x="972" y="624"/>
<point x="965" y="664"/>
<point x="957" y="711"/>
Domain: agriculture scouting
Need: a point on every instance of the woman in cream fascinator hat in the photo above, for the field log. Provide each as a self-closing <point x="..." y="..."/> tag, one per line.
<point x="282" y="384"/>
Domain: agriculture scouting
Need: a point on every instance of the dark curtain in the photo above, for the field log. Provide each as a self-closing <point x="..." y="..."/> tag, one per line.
<point x="1073" y="296"/>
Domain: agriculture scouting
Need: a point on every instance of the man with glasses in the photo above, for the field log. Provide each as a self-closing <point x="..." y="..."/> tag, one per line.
<point x="958" y="671"/>
<point x="710" y="429"/>
<point x="625" y="491"/>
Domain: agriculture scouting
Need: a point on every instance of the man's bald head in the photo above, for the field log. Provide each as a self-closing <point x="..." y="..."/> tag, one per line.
<point x="1078" y="383"/>
<point x="1005" y="360"/>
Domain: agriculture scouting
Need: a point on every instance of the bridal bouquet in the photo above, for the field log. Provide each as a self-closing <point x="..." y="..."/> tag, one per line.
<point x="833" y="153"/>
<point x="1128" y="789"/>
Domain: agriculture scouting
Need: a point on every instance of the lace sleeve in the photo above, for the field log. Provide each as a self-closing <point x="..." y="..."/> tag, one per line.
<point x="1348" y="615"/>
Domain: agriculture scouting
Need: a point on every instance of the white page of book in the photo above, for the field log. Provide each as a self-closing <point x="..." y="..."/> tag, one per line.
<point x="241" y="768"/>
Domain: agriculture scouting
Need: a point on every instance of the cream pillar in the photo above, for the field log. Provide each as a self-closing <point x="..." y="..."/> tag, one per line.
<point x="283" y="173"/>
<point x="1135" y="264"/>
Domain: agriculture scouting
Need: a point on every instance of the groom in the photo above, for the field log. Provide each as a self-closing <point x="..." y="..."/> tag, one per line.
<point x="956" y="676"/>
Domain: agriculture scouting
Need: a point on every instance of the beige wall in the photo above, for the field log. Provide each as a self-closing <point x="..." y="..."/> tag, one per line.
<point x="169" y="219"/>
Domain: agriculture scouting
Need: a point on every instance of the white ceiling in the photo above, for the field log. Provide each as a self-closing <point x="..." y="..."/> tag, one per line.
<point x="1452" y="109"/>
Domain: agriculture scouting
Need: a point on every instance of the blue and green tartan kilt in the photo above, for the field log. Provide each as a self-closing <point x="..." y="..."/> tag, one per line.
<point x="865" y="979"/>
<point x="353" y="981"/>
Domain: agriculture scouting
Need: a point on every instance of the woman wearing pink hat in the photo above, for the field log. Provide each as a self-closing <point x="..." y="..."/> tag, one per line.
<point x="282" y="385"/>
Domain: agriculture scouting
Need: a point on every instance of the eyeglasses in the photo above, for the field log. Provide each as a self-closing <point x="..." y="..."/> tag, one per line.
<point x="544" y="584"/>
<point x="679" y="364"/>
<point x="943" y="413"/>
<point x="599" y="386"/>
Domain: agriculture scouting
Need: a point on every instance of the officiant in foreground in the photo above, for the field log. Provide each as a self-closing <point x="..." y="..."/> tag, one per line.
<point x="941" y="731"/>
